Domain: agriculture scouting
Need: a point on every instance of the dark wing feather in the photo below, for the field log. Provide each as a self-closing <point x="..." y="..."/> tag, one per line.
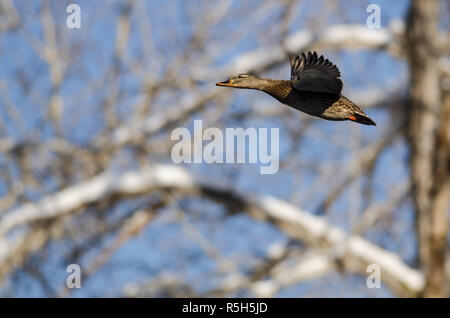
<point x="315" y="74"/>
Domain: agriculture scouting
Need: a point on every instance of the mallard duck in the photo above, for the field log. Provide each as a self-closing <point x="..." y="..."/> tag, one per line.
<point x="314" y="88"/>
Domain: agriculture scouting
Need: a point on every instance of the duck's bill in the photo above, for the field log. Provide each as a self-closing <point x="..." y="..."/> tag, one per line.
<point x="225" y="83"/>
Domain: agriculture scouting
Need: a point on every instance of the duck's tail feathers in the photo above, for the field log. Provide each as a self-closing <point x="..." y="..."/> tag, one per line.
<point x="362" y="119"/>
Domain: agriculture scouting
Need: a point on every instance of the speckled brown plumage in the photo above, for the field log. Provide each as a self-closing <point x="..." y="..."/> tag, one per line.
<point x="314" y="88"/>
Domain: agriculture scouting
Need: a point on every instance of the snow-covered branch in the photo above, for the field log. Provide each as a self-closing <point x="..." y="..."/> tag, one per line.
<point x="353" y="37"/>
<point x="355" y="252"/>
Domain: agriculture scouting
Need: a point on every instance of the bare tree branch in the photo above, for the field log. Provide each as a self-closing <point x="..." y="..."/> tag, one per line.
<point x="358" y="252"/>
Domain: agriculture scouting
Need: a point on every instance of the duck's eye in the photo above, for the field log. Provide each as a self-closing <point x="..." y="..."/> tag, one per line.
<point x="243" y="75"/>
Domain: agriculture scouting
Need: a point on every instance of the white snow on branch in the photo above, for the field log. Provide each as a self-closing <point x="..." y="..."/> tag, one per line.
<point x="353" y="36"/>
<point x="357" y="252"/>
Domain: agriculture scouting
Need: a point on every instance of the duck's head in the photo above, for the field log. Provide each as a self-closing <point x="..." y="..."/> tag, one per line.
<point x="242" y="81"/>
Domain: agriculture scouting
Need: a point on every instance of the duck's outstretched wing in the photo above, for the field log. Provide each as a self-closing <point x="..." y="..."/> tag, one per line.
<point x="315" y="74"/>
